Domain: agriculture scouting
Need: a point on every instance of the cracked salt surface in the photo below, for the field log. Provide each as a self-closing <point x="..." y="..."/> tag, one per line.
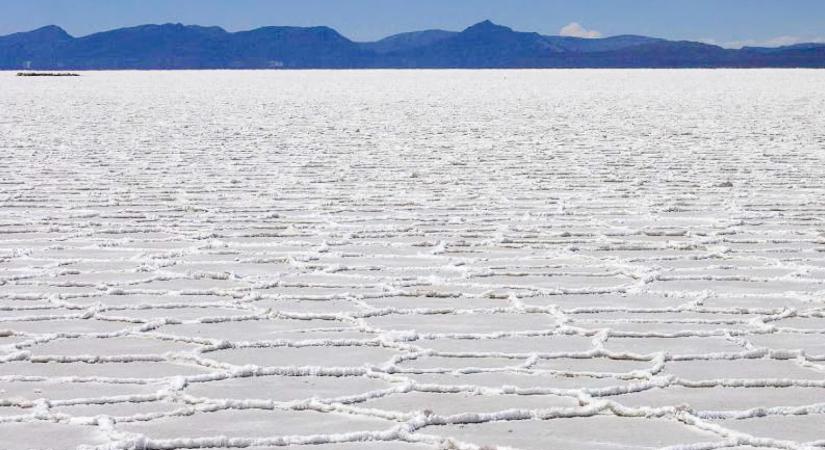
<point x="413" y="260"/>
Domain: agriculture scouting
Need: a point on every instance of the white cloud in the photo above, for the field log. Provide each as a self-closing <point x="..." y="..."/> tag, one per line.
<point x="575" y="29"/>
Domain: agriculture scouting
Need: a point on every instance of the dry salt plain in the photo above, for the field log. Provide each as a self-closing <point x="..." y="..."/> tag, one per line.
<point x="567" y="260"/>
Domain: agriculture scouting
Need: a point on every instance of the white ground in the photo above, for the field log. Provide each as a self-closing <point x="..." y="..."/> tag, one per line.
<point x="400" y="260"/>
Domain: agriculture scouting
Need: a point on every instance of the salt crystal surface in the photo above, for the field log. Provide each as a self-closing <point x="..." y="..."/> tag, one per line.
<point x="391" y="260"/>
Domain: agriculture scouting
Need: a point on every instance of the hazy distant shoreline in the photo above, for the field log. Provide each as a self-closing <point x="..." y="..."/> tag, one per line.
<point x="14" y="72"/>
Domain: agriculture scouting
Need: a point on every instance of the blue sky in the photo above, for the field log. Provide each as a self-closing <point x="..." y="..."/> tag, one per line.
<point x="726" y="22"/>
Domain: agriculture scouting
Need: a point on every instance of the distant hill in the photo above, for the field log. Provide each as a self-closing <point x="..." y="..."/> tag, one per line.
<point x="484" y="45"/>
<point x="572" y="44"/>
<point x="408" y="41"/>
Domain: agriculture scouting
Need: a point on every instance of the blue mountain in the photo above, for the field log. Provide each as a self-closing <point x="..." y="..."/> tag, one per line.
<point x="484" y="45"/>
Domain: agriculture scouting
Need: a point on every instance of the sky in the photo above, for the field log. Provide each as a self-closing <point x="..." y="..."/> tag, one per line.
<point x="731" y="23"/>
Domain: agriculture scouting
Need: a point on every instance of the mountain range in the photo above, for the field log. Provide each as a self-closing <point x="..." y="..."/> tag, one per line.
<point x="483" y="45"/>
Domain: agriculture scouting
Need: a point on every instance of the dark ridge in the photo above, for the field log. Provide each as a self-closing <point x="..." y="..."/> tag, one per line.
<point x="46" y="74"/>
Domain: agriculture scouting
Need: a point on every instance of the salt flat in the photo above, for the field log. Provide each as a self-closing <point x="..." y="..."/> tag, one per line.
<point x="399" y="260"/>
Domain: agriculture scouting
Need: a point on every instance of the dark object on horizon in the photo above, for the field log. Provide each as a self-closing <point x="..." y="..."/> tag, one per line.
<point x="46" y="74"/>
<point x="484" y="45"/>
